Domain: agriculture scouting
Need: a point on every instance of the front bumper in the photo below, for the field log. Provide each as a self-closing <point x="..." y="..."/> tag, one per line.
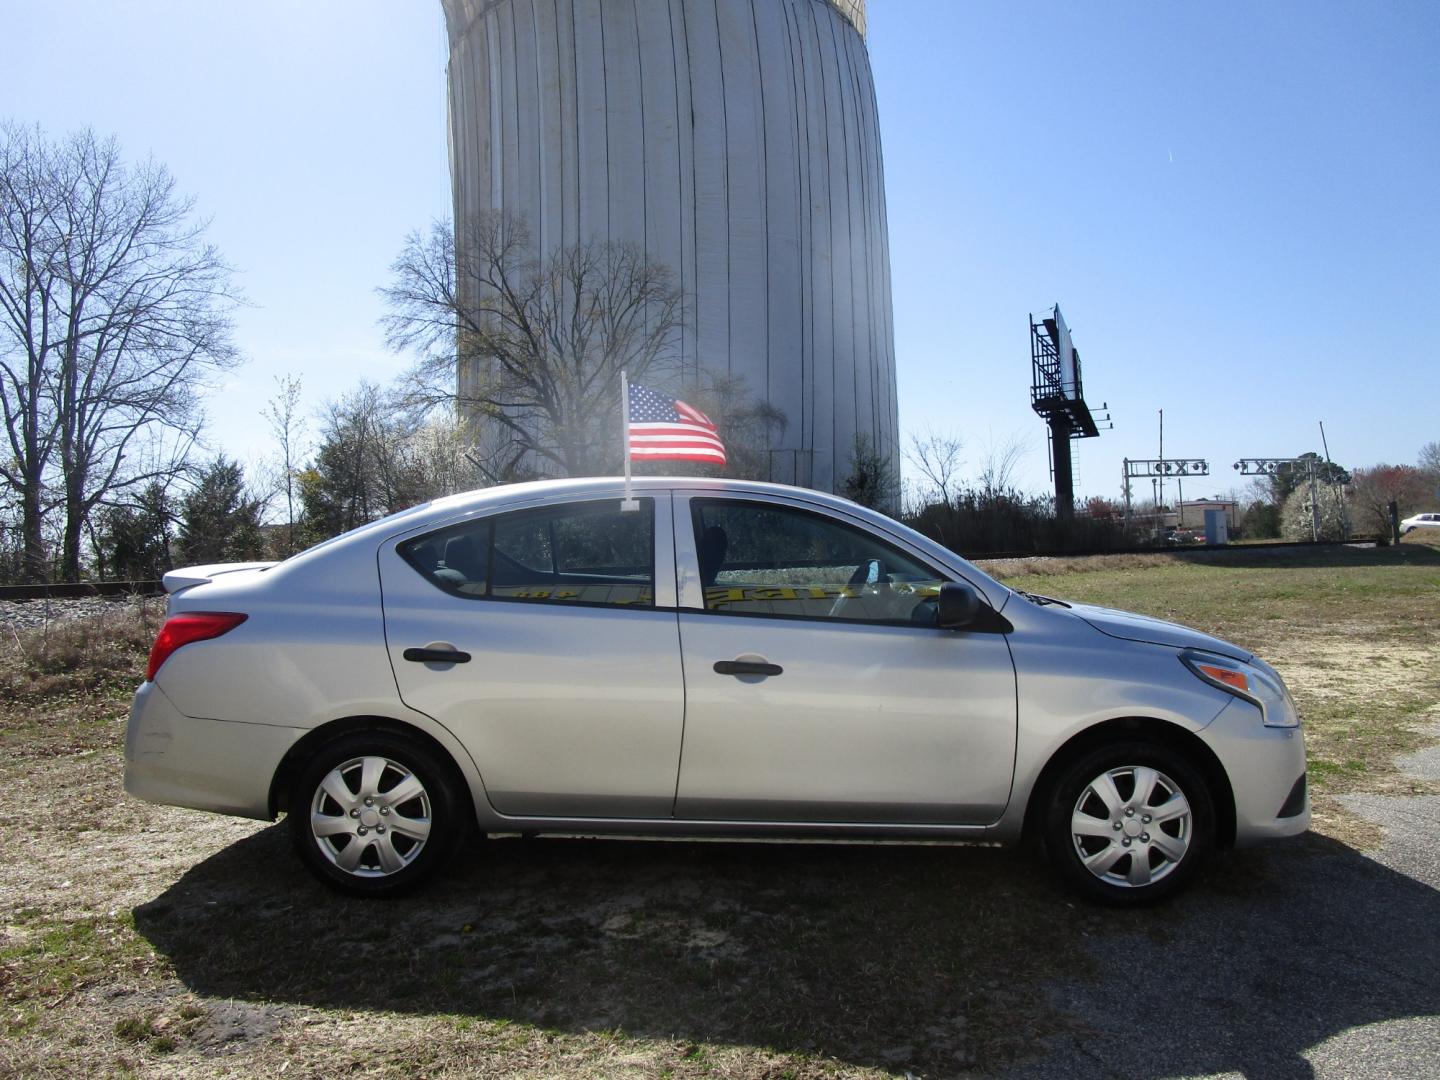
<point x="1265" y="766"/>
<point x="215" y="765"/>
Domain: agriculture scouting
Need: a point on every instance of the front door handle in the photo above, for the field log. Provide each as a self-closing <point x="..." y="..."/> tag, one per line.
<point x="746" y="667"/>
<point x="437" y="656"/>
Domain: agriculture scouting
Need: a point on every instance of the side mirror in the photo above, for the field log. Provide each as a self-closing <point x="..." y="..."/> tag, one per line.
<point x="958" y="607"/>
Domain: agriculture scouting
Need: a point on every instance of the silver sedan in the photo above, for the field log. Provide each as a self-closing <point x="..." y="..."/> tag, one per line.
<point x="720" y="658"/>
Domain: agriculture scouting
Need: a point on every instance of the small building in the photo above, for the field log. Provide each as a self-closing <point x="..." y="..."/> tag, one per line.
<point x="1192" y="512"/>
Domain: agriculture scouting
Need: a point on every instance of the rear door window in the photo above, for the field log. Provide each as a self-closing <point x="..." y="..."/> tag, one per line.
<point x="580" y="553"/>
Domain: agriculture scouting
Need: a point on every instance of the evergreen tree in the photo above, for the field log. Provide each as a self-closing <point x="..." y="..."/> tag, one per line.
<point x="220" y="520"/>
<point x="132" y="541"/>
<point x="869" y="481"/>
<point x="365" y="467"/>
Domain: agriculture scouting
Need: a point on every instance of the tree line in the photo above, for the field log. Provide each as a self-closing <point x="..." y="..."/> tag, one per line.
<point x="367" y="462"/>
<point x="114" y="311"/>
<point x="982" y="510"/>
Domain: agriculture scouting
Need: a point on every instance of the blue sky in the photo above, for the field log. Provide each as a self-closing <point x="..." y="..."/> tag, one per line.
<point x="1233" y="203"/>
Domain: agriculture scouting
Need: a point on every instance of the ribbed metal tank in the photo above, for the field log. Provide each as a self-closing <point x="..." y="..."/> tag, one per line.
<point x="738" y="142"/>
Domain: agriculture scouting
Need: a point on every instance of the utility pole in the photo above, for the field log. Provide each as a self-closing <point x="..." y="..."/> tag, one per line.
<point x="1335" y="484"/>
<point x="1125" y="487"/>
<point x="1160" y="499"/>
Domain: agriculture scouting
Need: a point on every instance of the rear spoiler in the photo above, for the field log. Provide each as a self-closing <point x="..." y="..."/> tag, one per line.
<point x="189" y="576"/>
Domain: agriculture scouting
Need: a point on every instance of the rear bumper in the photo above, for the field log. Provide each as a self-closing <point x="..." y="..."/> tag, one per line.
<point x="215" y="765"/>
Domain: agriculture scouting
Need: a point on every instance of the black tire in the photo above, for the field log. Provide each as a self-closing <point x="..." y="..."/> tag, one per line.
<point x="400" y="843"/>
<point x="1097" y="847"/>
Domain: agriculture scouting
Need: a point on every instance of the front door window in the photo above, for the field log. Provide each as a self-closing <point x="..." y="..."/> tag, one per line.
<point x="767" y="559"/>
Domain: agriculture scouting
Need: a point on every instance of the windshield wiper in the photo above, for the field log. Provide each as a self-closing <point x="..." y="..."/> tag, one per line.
<point x="1041" y="601"/>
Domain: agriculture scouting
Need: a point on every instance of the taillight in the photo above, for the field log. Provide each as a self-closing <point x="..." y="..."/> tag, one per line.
<point x="186" y="627"/>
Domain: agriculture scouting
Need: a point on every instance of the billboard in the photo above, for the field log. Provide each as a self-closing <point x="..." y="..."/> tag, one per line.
<point x="1069" y="359"/>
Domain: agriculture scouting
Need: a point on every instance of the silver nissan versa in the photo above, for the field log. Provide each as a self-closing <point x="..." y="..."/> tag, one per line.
<point x="724" y="658"/>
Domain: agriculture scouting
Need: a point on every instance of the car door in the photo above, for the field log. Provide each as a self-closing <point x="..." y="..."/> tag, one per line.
<point x="815" y="689"/>
<point x="571" y="700"/>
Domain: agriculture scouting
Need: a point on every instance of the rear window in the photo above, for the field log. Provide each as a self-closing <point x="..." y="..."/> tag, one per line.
<point x="580" y="553"/>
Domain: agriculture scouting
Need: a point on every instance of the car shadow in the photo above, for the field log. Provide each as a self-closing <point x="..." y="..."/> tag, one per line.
<point x="929" y="958"/>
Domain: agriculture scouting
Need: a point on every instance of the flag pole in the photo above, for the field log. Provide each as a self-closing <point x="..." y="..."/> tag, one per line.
<point x="629" y="502"/>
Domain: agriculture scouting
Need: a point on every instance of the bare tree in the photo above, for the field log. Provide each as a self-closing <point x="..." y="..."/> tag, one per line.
<point x="114" y="313"/>
<point x="282" y="413"/>
<point x="33" y="327"/>
<point x="1429" y="461"/>
<point x="1373" y="490"/>
<point x="997" y="471"/>
<point x="936" y="457"/>
<point x="538" y="343"/>
<point x="749" y="426"/>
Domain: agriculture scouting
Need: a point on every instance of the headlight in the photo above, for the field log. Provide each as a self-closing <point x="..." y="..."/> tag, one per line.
<point x="1257" y="683"/>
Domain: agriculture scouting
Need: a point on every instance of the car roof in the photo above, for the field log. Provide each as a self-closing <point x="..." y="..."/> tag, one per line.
<point x="579" y="487"/>
<point x="532" y="491"/>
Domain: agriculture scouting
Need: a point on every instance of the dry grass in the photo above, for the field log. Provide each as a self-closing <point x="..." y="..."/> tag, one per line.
<point x="1063" y="566"/>
<point x="72" y="656"/>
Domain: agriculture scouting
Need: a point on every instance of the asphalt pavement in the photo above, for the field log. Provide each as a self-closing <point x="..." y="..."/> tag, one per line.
<point x="1305" y="960"/>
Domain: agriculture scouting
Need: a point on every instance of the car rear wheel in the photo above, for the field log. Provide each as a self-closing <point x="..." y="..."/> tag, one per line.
<point x="1129" y="823"/>
<point x="375" y="814"/>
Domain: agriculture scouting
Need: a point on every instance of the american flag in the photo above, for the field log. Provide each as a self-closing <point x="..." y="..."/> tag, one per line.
<point x="663" y="429"/>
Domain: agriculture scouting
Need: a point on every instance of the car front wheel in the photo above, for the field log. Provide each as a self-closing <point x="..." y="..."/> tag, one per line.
<point x="1129" y="823"/>
<point x="374" y="814"/>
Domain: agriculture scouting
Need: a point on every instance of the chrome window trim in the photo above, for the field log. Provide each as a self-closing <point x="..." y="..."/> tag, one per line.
<point x="662" y="549"/>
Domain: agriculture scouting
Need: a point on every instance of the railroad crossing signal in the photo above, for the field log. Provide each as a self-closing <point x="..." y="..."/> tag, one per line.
<point x="1260" y="466"/>
<point x="1161" y="467"/>
<point x="1166" y="467"/>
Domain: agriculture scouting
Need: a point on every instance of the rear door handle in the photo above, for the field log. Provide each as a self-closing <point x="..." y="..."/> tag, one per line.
<point x="437" y="656"/>
<point x="746" y="667"/>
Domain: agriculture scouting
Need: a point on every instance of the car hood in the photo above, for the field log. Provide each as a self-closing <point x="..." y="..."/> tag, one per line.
<point x="1128" y="626"/>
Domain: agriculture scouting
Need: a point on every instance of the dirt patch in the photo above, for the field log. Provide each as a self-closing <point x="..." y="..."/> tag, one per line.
<point x="1365" y="703"/>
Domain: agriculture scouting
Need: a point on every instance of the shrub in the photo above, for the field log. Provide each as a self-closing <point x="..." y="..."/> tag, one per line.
<point x="1298" y="520"/>
<point x="991" y="521"/>
<point x="104" y="653"/>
